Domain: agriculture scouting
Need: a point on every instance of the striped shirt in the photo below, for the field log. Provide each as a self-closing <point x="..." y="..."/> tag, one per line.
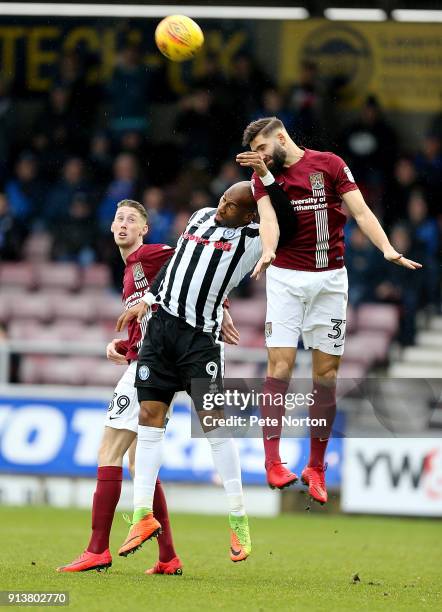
<point x="209" y="261"/>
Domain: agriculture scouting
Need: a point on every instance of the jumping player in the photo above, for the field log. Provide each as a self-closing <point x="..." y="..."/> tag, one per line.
<point x="218" y="247"/>
<point x="307" y="282"/>
<point x="143" y="263"/>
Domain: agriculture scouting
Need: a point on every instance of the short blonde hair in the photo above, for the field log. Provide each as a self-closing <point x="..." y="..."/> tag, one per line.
<point x="137" y="205"/>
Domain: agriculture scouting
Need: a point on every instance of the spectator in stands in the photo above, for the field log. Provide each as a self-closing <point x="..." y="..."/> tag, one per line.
<point x="429" y="167"/>
<point x="100" y="159"/>
<point x="194" y="124"/>
<point x="399" y="190"/>
<point x="397" y="287"/>
<point x="75" y="235"/>
<point x="230" y="173"/>
<point x="178" y="227"/>
<point x="129" y="92"/>
<point x="369" y="146"/>
<point x="362" y="261"/>
<point x="135" y="143"/>
<point x="12" y="233"/>
<point x="59" y="123"/>
<point x="273" y="104"/>
<point x="425" y="231"/>
<point x="245" y="85"/>
<point x="160" y="219"/>
<point x="123" y="185"/>
<point x="199" y="198"/>
<point x="72" y="181"/>
<point x="210" y="76"/>
<point x="305" y="102"/>
<point x="83" y="96"/>
<point x="25" y="192"/>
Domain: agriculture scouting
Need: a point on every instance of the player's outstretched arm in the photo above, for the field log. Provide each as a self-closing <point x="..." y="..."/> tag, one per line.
<point x="371" y="227"/>
<point x="136" y="312"/>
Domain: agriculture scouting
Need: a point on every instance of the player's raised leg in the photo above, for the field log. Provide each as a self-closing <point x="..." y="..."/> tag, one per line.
<point x="168" y="561"/>
<point x="279" y="369"/>
<point x="284" y="317"/>
<point x="226" y="460"/>
<point x="148" y="457"/>
<point x="325" y="371"/>
<point x="114" y="445"/>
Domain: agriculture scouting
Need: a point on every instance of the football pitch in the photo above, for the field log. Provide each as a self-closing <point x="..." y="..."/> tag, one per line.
<point x="298" y="562"/>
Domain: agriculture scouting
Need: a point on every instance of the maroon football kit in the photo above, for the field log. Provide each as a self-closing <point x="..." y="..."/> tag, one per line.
<point x="142" y="266"/>
<point x="314" y="185"/>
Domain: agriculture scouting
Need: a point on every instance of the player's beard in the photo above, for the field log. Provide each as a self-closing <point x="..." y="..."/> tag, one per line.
<point x="276" y="165"/>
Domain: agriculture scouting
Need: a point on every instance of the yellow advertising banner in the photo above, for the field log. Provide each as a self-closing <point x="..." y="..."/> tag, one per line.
<point x="400" y="63"/>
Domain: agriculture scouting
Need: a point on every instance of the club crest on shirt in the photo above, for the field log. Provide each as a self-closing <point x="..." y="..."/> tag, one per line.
<point x="229" y="233"/>
<point x="317" y="180"/>
<point x="268" y="329"/>
<point x="137" y="271"/>
<point x="143" y="372"/>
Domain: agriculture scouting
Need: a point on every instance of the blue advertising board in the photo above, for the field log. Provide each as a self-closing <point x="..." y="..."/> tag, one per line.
<point x="57" y="436"/>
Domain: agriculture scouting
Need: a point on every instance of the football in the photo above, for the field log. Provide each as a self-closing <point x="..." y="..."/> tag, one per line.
<point x="179" y="38"/>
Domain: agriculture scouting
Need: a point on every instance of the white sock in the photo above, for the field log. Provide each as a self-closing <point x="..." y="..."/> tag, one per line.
<point x="226" y="459"/>
<point x="148" y="456"/>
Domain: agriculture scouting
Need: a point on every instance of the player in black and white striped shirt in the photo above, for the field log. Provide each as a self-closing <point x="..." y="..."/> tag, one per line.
<point x="216" y="250"/>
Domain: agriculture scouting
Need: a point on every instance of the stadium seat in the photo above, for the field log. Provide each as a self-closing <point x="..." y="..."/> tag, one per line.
<point x="352" y="322"/>
<point x="378" y="342"/>
<point x="96" y="277"/>
<point x="37" y="306"/>
<point x="30" y="368"/>
<point x="248" y="312"/>
<point x="17" y="275"/>
<point x="250" y="337"/>
<point x="5" y="308"/>
<point x="359" y="351"/>
<point x="108" y="308"/>
<point x="65" y="370"/>
<point x="378" y="317"/>
<point x="57" y="276"/>
<point x="352" y="370"/>
<point x="104" y="373"/>
<point x="30" y="330"/>
<point x="37" y="247"/>
<point x="74" y="307"/>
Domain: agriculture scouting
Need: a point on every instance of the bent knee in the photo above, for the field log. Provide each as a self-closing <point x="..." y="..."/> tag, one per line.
<point x="280" y="363"/>
<point x="326" y="376"/>
<point x="151" y="414"/>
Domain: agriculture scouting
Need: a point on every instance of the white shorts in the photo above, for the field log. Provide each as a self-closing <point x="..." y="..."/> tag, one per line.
<point x="313" y="304"/>
<point x="124" y="408"/>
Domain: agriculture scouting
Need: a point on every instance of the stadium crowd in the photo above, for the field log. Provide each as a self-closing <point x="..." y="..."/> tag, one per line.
<point x="89" y="146"/>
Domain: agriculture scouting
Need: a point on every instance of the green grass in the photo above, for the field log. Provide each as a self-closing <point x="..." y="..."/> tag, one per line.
<point x="299" y="562"/>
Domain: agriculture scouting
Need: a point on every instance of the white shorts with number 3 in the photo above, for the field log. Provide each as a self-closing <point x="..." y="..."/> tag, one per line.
<point x="313" y="304"/>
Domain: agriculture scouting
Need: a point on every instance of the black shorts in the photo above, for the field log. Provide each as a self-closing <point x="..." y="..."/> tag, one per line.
<point x="173" y="353"/>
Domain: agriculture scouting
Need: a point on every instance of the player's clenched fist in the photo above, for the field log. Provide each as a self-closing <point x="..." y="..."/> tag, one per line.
<point x="251" y="159"/>
<point x="112" y="353"/>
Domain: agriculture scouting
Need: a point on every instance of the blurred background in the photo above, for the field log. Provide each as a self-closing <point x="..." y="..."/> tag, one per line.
<point x="91" y="113"/>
